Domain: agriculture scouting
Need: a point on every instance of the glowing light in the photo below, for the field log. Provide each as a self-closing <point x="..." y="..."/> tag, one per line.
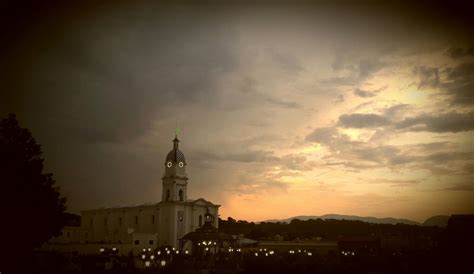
<point x="186" y="252"/>
<point x="152" y="257"/>
<point x="163" y="263"/>
<point x="310" y="254"/>
<point x="143" y="256"/>
<point x="168" y="252"/>
<point x="256" y="254"/>
<point x="159" y="252"/>
<point x="149" y="249"/>
<point x="147" y="263"/>
<point x="102" y="250"/>
<point x="114" y="249"/>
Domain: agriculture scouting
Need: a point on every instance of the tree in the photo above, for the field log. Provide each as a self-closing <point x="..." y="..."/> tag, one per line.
<point x="32" y="210"/>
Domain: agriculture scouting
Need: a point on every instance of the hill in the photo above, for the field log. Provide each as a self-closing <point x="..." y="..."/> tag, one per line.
<point x="439" y="220"/>
<point x="374" y="220"/>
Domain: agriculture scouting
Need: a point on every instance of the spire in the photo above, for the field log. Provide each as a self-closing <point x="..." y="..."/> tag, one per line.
<point x="175" y="142"/>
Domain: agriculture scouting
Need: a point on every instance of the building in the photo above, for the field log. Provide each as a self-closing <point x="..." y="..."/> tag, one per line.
<point x="133" y="228"/>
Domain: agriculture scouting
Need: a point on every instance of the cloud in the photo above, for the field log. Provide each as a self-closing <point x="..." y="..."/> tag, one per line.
<point x="325" y="135"/>
<point x="283" y="103"/>
<point x="428" y="76"/>
<point x="359" y="120"/>
<point x="368" y="93"/>
<point x="457" y="85"/>
<point x="438" y="123"/>
<point x="461" y="187"/>
<point x="460" y="84"/>
<point x="459" y="52"/>
<point x="355" y="71"/>
<point x="447" y="122"/>
<point x="364" y="93"/>
<point x="287" y="61"/>
<point x="394" y="183"/>
<point x="247" y="156"/>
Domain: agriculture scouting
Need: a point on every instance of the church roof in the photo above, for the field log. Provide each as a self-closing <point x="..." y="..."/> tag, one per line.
<point x="175" y="155"/>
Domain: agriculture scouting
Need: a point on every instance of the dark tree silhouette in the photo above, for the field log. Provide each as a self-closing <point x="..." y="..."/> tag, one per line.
<point x="32" y="210"/>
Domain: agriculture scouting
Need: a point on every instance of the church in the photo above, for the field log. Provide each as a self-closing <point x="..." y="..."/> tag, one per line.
<point x="132" y="228"/>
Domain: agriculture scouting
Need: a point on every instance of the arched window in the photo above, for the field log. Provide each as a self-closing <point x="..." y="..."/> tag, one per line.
<point x="181" y="198"/>
<point x="168" y="194"/>
<point x="200" y="220"/>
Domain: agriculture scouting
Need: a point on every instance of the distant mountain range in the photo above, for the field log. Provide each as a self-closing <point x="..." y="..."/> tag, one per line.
<point x="440" y="220"/>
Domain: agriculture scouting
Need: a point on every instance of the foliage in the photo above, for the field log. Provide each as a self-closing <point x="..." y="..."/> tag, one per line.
<point x="32" y="209"/>
<point x="322" y="229"/>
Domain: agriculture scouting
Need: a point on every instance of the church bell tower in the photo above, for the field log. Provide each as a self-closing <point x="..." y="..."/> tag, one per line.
<point x="175" y="180"/>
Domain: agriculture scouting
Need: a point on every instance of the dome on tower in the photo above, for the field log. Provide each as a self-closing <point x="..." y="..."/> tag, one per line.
<point x="175" y="155"/>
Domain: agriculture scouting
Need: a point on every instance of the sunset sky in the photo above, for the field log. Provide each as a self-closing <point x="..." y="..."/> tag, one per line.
<point x="359" y="108"/>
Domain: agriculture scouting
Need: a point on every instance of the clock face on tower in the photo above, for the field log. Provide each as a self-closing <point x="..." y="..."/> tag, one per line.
<point x="169" y="164"/>
<point x="181" y="164"/>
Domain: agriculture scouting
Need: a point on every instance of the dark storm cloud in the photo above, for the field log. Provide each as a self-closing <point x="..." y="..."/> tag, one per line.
<point x="358" y="120"/>
<point x="117" y="75"/>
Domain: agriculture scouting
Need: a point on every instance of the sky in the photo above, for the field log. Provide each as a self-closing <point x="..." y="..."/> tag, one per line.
<point x="284" y="109"/>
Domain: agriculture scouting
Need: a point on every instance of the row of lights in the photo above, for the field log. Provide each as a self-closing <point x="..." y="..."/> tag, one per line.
<point x="348" y="253"/>
<point x="271" y="252"/>
<point x="236" y="250"/>
<point x="102" y="250"/>
<point x="207" y="243"/>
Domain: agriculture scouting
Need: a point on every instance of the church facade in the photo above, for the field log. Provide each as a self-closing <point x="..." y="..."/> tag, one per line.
<point x="149" y="225"/>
